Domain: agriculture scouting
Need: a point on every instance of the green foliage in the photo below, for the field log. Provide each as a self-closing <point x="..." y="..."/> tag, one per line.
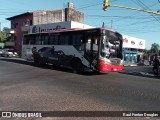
<point x="155" y="48"/>
<point x="145" y="54"/>
<point x="3" y="36"/>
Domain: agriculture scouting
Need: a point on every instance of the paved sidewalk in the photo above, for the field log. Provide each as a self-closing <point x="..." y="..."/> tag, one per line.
<point x="145" y="71"/>
<point x="130" y="64"/>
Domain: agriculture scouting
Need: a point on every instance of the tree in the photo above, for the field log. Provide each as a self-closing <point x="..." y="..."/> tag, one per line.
<point x="3" y="36"/>
<point x="155" y="48"/>
<point x="145" y="54"/>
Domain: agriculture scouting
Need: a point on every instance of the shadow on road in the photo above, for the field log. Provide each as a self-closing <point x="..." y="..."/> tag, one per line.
<point x="141" y="74"/>
<point x="15" y="60"/>
<point x="57" y="68"/>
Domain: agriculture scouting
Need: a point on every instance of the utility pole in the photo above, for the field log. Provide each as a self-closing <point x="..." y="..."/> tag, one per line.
<point x="111" y="24"/>
<point x="0" y="30"/>
<point x="103" y="25"/>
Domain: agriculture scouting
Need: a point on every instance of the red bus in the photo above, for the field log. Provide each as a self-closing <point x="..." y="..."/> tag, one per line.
<point x="95" y="49"/>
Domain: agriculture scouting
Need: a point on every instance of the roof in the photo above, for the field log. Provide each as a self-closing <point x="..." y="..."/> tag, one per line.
<point x="27" y="13"/>
<point x="71" y="29"/>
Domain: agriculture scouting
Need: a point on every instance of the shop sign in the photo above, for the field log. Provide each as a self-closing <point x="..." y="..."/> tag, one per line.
<point x="132" y="42"/>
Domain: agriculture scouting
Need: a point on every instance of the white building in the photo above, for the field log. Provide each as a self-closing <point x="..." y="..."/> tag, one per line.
<point x="133" y="42"/>
<point x="131" y="47"/>
<point x="57" y="26"/>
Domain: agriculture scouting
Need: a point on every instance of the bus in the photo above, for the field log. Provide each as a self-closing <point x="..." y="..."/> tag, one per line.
<point x="94" y="49"/>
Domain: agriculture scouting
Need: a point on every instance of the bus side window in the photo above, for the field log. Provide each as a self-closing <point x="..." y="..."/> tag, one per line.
<point x="53" y="39"/>
<point x="44" y="39"/>
<point x="95" y="44"/>
<point x="49" y="39"/>
<point x="77" y="42"/>
<point x="88" y="44"/>
<point x="56" y="40"/>
<point x="64" y="39"/>
<point x="25" y="39"/>
<point x="37" y="40"/>
<point x="32" y="39"/>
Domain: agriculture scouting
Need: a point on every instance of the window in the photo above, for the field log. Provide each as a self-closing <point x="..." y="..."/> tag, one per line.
<point x="53" y="39"/>
<point x="44" y="39"/>
<point x="31" y="23"/>
<point x="32" y="39"/>
<point x="37" y="39"/>
<point x="64" y="40"/>
<point x="14" y="25"/>
<point x="77" y="41"/>
<point x="26" y="40"/>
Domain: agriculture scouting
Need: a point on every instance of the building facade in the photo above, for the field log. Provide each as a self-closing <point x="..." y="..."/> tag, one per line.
<point x="57" y="26"/>
<point x="132" y="48"/>
<point x="21" y="23"/>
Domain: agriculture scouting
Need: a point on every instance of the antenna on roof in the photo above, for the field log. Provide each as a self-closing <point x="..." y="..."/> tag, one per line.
<point x="103" y="25"/>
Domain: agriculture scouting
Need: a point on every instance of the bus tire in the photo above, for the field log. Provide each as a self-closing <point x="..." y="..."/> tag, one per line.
<point x="77" y="67"/>
<point x="37" y="60"/>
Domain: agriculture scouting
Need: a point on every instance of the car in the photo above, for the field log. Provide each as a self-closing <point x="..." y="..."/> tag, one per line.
<point x="1" y="50"/>
<point x="48" y="55"/>
<point x="9" y="53"/>
<point x="143" y="63"/>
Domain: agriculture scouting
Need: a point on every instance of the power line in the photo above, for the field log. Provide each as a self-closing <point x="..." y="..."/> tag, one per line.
<point x="146" y="7"/>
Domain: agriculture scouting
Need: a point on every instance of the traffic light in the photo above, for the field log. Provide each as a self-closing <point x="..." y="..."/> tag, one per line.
<point x="105" y="5"/>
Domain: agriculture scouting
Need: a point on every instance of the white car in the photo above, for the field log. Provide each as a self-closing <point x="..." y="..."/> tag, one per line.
<point x="1" y="52"/>
<point x="9" y="53"/>
<point x="143" y="63"/>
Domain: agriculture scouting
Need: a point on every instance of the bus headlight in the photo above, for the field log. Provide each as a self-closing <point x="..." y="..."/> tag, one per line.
<point x="107" y="60"/>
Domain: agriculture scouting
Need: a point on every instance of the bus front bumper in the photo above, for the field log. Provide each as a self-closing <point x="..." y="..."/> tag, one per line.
<point x="110" y="68"/>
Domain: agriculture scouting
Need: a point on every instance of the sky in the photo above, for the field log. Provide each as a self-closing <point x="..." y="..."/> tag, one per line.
<point x="129" y="22"/>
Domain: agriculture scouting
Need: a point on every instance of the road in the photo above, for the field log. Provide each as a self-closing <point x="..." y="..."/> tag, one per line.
<point x="24" y="87"/>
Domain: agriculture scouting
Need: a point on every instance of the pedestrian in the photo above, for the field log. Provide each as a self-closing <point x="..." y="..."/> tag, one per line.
<point x="156" y="66"/>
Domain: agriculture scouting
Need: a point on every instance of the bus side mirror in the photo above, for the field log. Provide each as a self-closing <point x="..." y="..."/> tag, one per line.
<point x="112" y="50"/>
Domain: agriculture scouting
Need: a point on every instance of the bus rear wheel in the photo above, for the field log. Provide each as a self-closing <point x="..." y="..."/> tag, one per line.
<point x="77" y="67"/>
<point x="37" y="60"/>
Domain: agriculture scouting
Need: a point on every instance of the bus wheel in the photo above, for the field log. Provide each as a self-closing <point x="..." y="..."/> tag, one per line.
<point x="37" y="60"/>
<point x="77" y="67"/>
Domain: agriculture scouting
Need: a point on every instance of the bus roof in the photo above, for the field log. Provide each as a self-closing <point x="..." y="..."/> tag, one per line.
<point x="73" y="29"/>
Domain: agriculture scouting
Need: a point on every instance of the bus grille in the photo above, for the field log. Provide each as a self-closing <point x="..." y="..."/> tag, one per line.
<point x="115" y="61"/>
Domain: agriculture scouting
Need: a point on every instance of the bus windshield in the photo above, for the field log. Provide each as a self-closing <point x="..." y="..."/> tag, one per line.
<point x="112" y="45"/>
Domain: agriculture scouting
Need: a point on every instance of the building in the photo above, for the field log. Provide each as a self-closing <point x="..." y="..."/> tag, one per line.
<point x="131" y="48"/>
<point x="22" y="22"/>
<point x="57" y="26"/>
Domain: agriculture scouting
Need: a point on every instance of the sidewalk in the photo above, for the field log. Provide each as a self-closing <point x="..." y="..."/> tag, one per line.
<point x="145" y="71"/>
<point x="130" y="64"/>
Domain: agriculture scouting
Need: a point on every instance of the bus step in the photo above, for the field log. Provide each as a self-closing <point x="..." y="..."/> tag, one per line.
<point x="88" y="70"/>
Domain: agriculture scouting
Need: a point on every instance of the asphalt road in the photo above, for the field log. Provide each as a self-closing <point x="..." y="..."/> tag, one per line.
<point x="24" y="87"/>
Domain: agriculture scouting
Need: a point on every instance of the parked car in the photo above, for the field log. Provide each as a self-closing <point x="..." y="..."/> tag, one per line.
<point x="143" y="63"/>
<point x="9" y="53"/>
